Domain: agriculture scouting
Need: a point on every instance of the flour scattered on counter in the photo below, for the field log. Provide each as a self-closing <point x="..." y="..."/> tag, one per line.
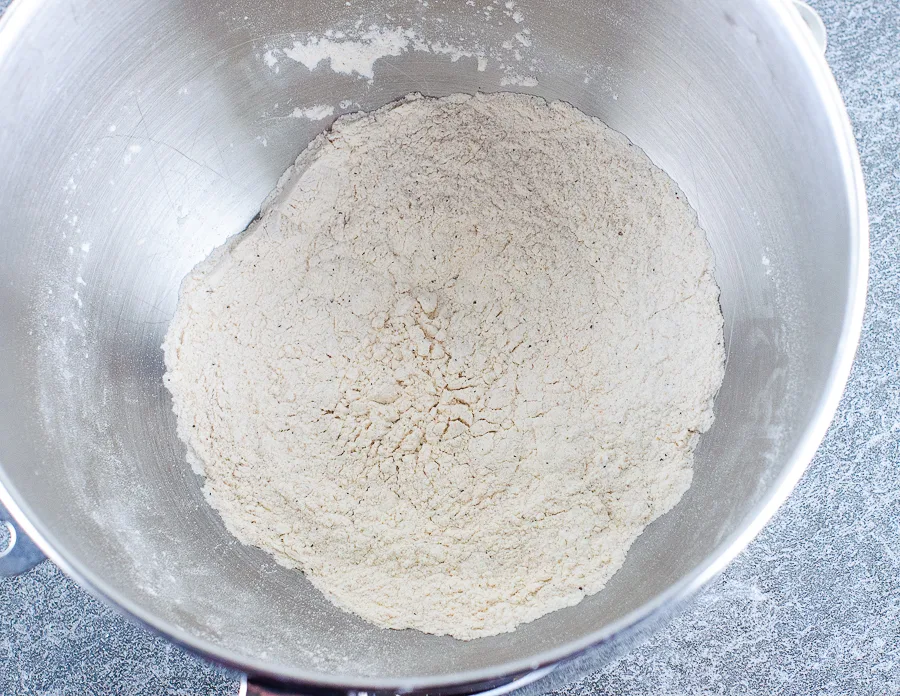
<point x="453" y="380"/>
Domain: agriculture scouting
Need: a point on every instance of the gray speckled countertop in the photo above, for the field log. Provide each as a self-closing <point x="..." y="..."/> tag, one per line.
<point x="811" y="607"/>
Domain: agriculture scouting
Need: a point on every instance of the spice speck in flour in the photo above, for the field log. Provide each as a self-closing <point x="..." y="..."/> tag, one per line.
<point x="458" y="364"/>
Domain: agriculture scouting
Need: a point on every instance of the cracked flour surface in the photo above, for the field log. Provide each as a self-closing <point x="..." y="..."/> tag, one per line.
<point x="458" y="364"/>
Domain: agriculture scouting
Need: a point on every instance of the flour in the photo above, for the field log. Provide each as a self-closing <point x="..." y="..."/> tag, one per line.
<point x="348" y="56"/>
<point x="458" y="364"/>
<point x="314" y="113"/>
<point x="355" y="48"/>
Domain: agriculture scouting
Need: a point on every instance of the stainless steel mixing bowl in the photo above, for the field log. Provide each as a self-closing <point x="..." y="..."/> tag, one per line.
<point x="137" y="135"/>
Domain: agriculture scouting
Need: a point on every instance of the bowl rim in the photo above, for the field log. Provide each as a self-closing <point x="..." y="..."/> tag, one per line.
<point x="16" y="18"/>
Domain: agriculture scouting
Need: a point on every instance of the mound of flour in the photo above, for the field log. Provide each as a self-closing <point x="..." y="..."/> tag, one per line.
<point x="458" y="364"/>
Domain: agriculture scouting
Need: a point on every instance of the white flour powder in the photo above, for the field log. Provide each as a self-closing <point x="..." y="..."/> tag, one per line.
<point x="457" y="366"/>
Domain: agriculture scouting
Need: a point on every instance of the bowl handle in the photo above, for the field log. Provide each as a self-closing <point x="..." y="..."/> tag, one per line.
<point x="18" y="553"/>
<point x="814" y="24"/>
<point x="253" y="687"/>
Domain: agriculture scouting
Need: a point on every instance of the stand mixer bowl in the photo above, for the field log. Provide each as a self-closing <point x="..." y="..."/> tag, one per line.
<point x="138" y="136"/>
